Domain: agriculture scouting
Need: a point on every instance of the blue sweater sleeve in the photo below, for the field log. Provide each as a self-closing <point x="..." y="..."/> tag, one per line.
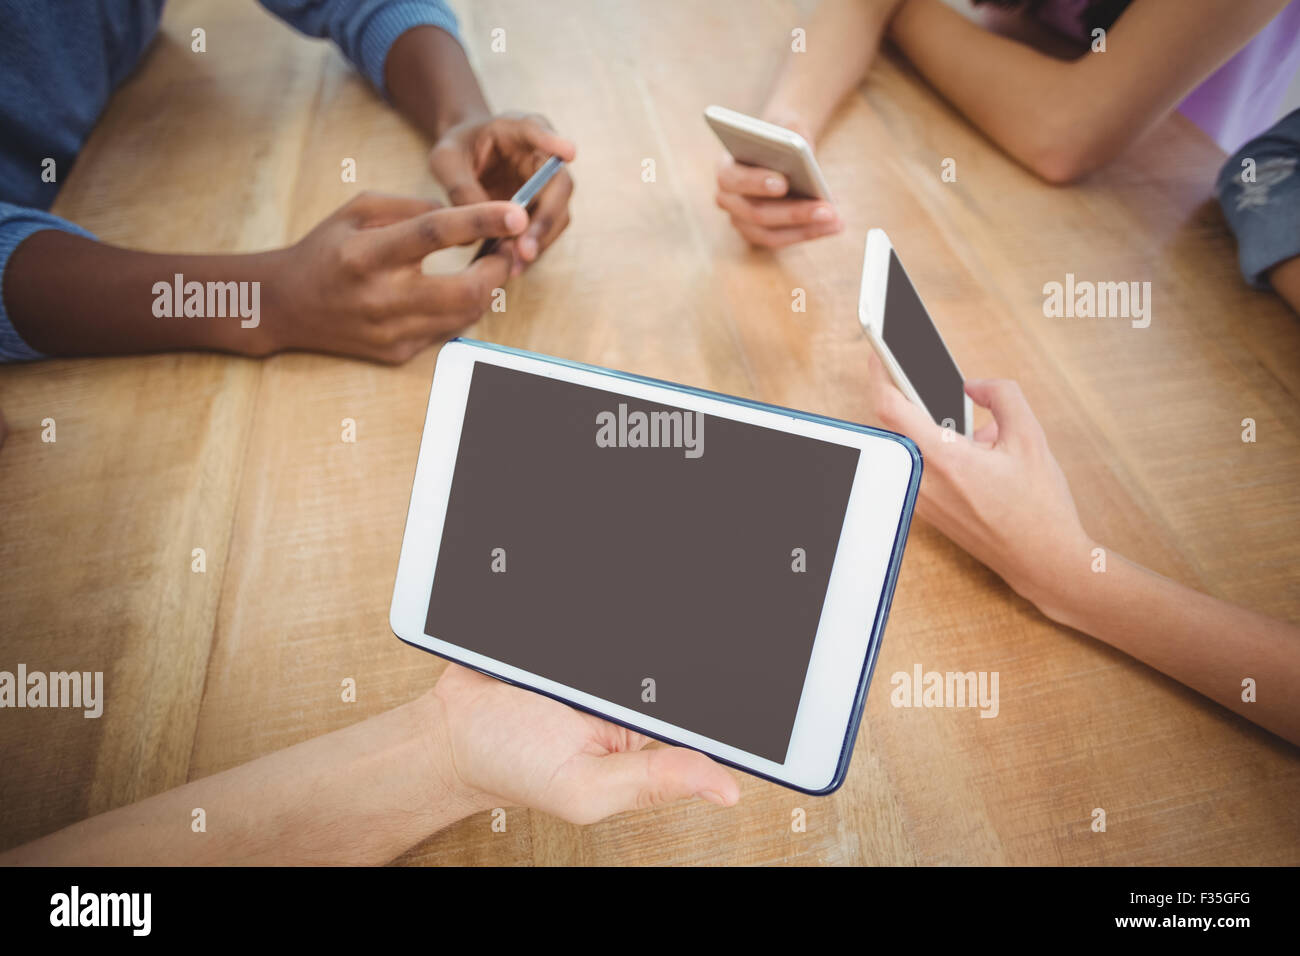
<point x="364" y="29"/>
<point x="16" y="224"/>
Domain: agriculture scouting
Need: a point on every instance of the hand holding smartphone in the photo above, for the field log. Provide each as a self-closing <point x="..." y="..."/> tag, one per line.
<point x="907" y="340"/>
<point x="756" y="142"/>
<point x="767" y="209"/>
<point x="525" y="197"/>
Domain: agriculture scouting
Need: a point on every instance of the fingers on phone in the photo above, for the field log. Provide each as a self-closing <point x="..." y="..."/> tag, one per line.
<point x="986" y="434"/>
<point x="894" y="411"/>
<point x="778" y="238"/>
<point x="734" y="177"/>
<point x="535" y="131"/>
<point x="454" y="168"/>
<point x="428" y="309"/>
<point x="413" y="239"/>
<point x="1012" y="415"/>
<point x="454" y="301"/>
<point x="370" y="208"/>
<point x="890" y="406"/>
<point x="550" y="217"/>
<point x="779" y="213"/>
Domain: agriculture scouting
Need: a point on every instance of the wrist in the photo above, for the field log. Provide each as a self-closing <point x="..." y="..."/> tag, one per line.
<point x="281" y="299"/>
<point x="1064" y="591"/>
<point x="429" y="79"/>
<point x="456" y="116"/>
<point x="455" y="797"/>
<point x="271" y="270"/>
<point x="234" y="318"/>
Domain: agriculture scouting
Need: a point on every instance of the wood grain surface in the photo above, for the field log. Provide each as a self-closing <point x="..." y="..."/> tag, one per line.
<point x="240" y="148"/>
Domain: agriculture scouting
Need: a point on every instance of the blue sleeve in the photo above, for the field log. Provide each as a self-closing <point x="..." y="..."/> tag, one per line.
<point x="1259" y="190"/>
<point x="364" y="29"/>
<point x="16" y="224"/>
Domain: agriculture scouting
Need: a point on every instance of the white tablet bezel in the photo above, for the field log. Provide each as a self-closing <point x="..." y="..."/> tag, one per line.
<point x="871" y="313"/>
<point x="786" y="141"/>
<point x="861" y="576"/>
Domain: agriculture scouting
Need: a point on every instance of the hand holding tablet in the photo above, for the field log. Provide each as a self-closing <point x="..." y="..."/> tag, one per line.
<point x="702" y="569"/>
<point x="499" y="743"/>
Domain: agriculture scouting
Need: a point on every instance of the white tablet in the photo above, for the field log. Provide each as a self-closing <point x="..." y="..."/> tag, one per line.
<point x="907" y="340"/>
<point x="703" y="569"/>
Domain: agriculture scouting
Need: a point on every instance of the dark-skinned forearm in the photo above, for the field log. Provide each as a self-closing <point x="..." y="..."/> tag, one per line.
<point x="68" y="295"/>
<point x="430" y="81"/>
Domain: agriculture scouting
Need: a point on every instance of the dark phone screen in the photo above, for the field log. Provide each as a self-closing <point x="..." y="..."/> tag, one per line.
<point x="607" y="542"/>
<point x="910" y="334"/>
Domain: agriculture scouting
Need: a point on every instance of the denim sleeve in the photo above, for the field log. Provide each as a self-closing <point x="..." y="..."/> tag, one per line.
<point x="16" y="224"/>
<point x="1259" y="190"/>
<point x="364" y="29"/>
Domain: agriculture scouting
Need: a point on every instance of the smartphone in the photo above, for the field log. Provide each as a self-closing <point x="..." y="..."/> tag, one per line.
<point x="525" y="197"/>
<point x="702" y="569"/>
<point x="907" y="340"/>
<point x="755" y="142"/>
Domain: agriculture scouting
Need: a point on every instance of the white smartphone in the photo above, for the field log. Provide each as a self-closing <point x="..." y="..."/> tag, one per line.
<point x="907" y="340"/>
<point x="703" y="569"/>
<point x="756" y="142"/>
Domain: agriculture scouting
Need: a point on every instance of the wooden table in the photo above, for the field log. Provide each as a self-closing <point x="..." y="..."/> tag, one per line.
<point x="240" y="148"/>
